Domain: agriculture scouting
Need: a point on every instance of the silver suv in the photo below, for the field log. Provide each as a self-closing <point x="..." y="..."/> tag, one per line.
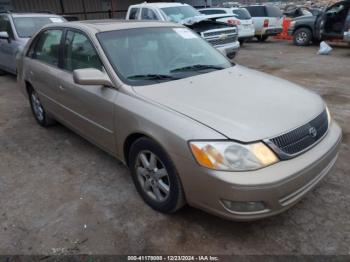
<point x="15" y="31"/>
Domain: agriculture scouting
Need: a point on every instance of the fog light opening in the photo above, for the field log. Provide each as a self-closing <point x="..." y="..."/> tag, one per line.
<point x="244" y="207"/>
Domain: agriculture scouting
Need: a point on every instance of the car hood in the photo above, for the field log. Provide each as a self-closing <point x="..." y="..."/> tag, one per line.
<point x="238" y="102"/>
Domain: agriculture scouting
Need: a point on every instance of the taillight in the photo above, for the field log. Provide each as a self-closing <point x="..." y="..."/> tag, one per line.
<point x="266" y="23"/>
<point x="233" y="22"/>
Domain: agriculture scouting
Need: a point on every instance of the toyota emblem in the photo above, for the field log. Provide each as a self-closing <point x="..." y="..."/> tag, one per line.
<point x="312" y="132"/>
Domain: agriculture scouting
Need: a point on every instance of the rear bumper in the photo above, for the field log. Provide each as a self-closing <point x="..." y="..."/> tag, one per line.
<point x="229" y="49"/>
<point x="278" y="187"/>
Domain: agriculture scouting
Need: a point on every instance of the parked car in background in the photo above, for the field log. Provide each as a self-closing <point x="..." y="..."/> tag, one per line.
<point x="15" y="31"/>
<point x="222" y="36"/>
<point x="191" y="126"/>
<point x="267" y="20"/>
<point x="236" y="16"/>
<point x="333" y="23"/>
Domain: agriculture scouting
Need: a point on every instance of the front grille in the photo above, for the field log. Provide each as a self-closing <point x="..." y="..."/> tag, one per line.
<point x="301" y="138"/>
<point x="216" y="42"/>
<point x="218" y="33"/>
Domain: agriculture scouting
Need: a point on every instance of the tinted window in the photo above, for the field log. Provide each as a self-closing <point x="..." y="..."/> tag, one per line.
<point x="79" y="53"/>
<point x="5" y="25"/>
<point x="148" y="14"/>
<point x="273" y="11"/>
<point x="27" y="26"/>
<point x="256" y="11"/>
<point x="47" y="47"/>
<point x="213" y="12"/>
<point x="241" y="14"/>
<point x="133" y="13"/>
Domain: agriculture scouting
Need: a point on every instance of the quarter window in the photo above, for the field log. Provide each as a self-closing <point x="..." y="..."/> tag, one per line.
<point x="148" y="14"/>
<point x="47" y="47"/>
<point x="133" y="13"/>
<point x="79" y="53"/>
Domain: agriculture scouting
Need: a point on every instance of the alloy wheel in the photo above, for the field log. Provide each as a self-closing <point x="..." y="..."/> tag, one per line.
<point x="37" y="107"/>
<point x="152" y="176"/>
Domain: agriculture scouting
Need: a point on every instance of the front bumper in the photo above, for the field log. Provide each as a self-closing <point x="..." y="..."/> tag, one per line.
<point x="229" y="49"/>
<point x="347" y="36"/>
<point x="278" y="186"/>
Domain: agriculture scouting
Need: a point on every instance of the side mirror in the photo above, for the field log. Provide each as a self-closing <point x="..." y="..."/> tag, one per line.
<point x="4" y="35"/>
<point x="91" y="76"/>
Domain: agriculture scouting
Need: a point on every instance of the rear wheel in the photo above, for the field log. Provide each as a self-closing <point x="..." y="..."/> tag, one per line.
<point x="262" y="38"/>
<point x="302" y="37"/>
<point x="155" y="176"/>
<point x="38" y="110"/>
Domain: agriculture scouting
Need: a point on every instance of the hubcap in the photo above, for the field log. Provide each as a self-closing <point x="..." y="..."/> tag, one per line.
<point x="302" y="37"/>
<point x="153" y="176"/>
<point x="37" y="107"/>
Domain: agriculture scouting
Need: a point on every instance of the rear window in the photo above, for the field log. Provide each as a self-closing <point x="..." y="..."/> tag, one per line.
<point x="273" y="11"/>
<point x="241" y="14"/>
<point x="257" y="11"/>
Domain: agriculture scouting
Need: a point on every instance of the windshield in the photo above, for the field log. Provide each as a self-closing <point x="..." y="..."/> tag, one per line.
<point x="241" y="14"/>
<point x="179" y="13"/>
<point x="145" y="56"/>
<point x="26" y="27"/>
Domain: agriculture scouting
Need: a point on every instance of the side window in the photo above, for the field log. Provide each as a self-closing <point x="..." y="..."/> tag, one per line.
<point x="257" y="11"/>
<point x="148" y="14"/>
<point x="5" y="25"/>
<point x="134" y="13"/>
<point x="79" y="53"/>
<point x="47" y="47"/>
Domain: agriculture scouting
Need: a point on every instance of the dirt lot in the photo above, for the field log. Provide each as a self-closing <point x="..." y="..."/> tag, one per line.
<point x="60" y="194"/>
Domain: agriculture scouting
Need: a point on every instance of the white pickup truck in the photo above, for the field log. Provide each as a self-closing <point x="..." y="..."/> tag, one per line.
<point x="222" y="36"/>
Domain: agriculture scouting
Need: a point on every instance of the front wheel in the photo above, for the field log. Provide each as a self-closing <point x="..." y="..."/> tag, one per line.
<point x="302" y="37"/>
<point x="155" y="176"/>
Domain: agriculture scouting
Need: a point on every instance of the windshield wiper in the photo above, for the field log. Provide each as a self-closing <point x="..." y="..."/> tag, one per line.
<point x="152" y="77"/>
<point x="197" y="68"/>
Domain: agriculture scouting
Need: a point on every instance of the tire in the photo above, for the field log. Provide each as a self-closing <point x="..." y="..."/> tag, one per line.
<point x="159" y="173"/>
<point x="302" y="37"/>
<point x="241" y="42"/>
<point x="38" y="110"/>
<point x="2" y="72"/>
<point x="262" y="38"/>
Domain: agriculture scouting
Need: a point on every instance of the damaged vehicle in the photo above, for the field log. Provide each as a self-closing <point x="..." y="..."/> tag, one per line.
<point x="332" y="24"/>
<point x="221" y="35"/>
<point x="191" y="126"/>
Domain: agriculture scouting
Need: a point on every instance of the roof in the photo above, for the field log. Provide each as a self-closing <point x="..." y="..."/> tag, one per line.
<point x="33" y="14"/>
<point x="112" y="24"/>
<point x="159" y="5"/>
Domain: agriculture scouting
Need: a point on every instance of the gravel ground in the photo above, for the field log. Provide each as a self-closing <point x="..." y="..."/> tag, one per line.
<point x="62" y="195"/>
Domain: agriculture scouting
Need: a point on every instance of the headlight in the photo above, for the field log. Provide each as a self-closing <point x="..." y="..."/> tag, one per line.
<point x="232" y="156"/>
<point x="329" y="117"/>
